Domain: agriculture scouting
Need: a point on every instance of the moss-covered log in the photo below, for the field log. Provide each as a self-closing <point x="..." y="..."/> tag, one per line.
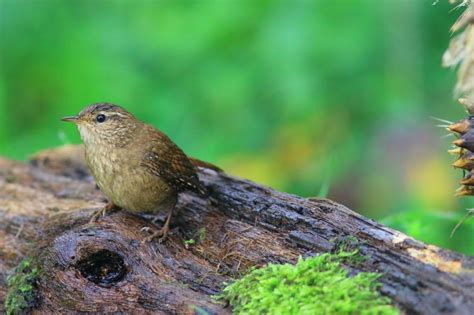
<point x="103" y="267"/>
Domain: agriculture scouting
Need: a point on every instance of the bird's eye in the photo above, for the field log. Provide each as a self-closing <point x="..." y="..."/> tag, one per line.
<point x="100" y="118"/>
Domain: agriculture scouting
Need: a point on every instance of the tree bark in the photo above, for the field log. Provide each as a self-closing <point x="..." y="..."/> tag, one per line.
<point x="103" y="267"/>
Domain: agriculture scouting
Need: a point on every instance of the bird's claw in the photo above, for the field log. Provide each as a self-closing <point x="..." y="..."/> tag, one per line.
<point x="163" y="233"/>
<point x="97" y="214"/>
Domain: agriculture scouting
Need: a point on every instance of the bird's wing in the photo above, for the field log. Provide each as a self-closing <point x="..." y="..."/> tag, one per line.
<point x="166" y="160"/>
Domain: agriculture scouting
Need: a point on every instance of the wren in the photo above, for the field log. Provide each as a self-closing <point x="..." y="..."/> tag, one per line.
<point x="136" y="166"/>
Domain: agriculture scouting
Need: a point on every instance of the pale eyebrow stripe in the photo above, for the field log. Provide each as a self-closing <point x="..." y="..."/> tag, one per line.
<point x="112" y="114"/>
<point x="119" y="114"/>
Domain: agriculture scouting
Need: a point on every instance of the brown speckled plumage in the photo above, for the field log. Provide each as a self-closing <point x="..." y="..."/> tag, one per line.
<point x="165" y="159"/>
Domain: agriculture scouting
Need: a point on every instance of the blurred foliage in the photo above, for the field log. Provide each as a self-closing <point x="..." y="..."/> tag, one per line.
<point x="328" y="97"/>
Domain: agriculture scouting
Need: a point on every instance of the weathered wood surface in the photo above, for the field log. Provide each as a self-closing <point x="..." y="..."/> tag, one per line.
<point x="103" y="267"/>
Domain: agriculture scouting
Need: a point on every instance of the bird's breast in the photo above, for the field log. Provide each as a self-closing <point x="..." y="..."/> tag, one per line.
<point x="122" y="179"/>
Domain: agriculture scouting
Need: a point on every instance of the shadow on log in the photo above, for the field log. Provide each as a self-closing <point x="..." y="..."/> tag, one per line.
<point x="103" y="267"/>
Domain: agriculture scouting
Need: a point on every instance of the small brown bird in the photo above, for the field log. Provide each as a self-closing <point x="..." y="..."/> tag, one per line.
<point x="135" y="165"/>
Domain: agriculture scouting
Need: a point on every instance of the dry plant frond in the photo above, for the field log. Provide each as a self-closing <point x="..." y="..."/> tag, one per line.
<point x="461" y="51"/>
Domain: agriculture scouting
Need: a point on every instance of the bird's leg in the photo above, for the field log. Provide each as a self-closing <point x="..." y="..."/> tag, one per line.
<point x="163" y="232"/>
<point x="109" y="207"/>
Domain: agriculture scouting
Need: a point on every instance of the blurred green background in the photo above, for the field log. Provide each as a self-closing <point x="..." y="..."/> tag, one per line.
<point x="318" y="98"/>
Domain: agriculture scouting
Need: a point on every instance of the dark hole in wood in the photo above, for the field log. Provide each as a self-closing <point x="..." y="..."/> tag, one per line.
<point x="104" y="268"/>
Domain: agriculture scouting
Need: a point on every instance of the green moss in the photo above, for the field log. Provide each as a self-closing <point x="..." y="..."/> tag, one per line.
<point x="199" y="237"/>
<point x="191" y="241"/>
<point x="348" y="243"/>
<point x="21" y="283"/>
<point x="317" y="285"/>
<point x="201" y="234"/>
<point x="188" y="243"/>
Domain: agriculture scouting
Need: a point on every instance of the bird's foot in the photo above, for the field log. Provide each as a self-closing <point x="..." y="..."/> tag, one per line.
<point x="162" y="233"/>
<point x="109" y="207"/>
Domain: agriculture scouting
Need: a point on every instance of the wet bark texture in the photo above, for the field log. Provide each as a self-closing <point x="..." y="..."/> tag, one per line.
<point x="103" y="267"/>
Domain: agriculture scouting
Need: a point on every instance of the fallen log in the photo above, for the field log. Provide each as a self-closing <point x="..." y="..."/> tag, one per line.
<point x="103" y="267"/>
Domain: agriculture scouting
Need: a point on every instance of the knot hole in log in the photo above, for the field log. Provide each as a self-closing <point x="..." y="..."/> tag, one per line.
<point x="105" y="268"/>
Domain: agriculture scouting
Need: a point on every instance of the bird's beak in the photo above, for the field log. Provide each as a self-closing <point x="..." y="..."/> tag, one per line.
<point x="73" y="119"/>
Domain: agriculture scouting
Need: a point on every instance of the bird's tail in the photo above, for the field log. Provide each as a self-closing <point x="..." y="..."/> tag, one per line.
<point x="199" y="163"/>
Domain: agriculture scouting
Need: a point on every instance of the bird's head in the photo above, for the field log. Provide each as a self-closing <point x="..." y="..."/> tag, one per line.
<point x="104" y="124"/>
